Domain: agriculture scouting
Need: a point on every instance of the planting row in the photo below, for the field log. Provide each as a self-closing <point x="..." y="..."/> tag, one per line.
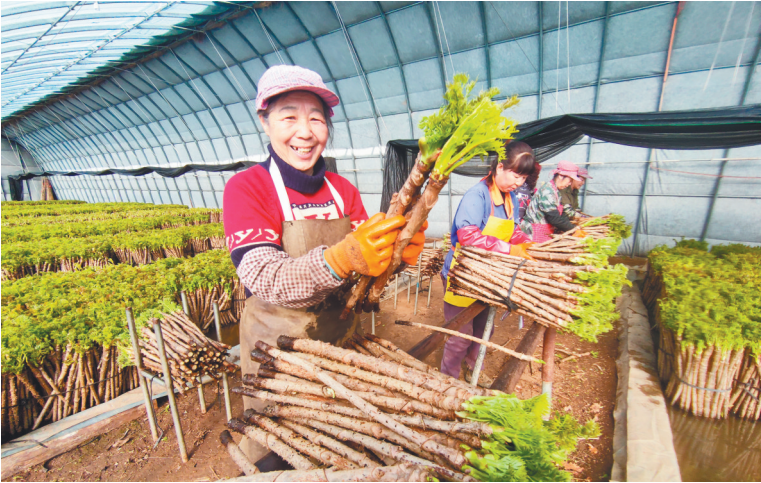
<point x="707" y="306"/>
<point x="22" y="259"/>
<point x="81" y="229"/>
<point x="24" y="209"/>
<point x="214" y="214"/>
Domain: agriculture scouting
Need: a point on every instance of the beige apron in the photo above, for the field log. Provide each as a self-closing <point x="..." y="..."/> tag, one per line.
<point x="266" y="322"/>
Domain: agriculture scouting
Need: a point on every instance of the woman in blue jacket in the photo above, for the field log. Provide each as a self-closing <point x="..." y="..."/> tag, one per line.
<point x="487" y="218"/>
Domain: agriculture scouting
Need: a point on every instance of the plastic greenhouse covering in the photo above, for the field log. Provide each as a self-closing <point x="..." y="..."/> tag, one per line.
<point x="90" y="86"/>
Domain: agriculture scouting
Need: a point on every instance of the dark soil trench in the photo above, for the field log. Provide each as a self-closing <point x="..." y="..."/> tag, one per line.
<point x="584" y="387"/>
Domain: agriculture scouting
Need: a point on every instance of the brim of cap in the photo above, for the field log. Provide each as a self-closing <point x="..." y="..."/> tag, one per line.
<point x="585" y="176"/>
<point x="327" y="95"/>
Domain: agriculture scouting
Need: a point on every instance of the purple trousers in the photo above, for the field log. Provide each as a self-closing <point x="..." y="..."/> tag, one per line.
<point x="457" y="349"/>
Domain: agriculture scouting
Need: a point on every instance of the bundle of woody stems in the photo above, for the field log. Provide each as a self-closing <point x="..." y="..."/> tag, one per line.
<point x="746" y="394"/>
<point x="189" y="352"/>
<point x="603" y="235"/>
<point x="65" y="383"/>
<point x="465" y="127"/>
<point x="687" y="371"/>
<point x="709" y="366"/>
<point x="430" y="262"/>
<point x="542" y="291"/>
<point x="376" y="406"/>
<point x="201" y="304"/>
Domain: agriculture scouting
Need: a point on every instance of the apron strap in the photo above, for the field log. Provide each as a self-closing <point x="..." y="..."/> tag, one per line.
<point x="282" y="194"/>
<point x="336" y="197"/>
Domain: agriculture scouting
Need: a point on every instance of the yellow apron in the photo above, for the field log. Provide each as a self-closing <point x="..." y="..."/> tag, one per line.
<point x="496" y="227"/>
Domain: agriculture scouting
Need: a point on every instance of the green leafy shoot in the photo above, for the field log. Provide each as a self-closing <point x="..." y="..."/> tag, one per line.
<point x="484" y="131"/>
<point x="523" y="447"/>
<point x="439" y="127"/>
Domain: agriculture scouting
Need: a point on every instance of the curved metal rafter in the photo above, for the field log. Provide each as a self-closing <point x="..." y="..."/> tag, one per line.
<point x="90" y="53"/>
<point x="399" y="66"/>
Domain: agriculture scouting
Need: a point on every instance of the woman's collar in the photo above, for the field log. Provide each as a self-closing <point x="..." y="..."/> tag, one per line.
<point x="298" y="180"/>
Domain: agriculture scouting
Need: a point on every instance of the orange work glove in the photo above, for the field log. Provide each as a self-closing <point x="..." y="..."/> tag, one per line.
<point x="412" y="251"/>
<point x="580" y="233"/>
<point x="521" y="250"/>
<point x="368" y="249"/>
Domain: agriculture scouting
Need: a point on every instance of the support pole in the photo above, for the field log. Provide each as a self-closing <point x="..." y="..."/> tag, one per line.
<point x="548" y="369"/>
<point x="225" y="383"/>
<point x="396" y="289"/>
<point x="417" y="285"/>
<point x="373" y="326"/>
<point x="409" y="286"/>
<point x="143" y="382"/>
<point x="430" y="289"/>
<point x="201" y="398"/>
<point x="170" y="390"/>
<point x="482" y="350"/>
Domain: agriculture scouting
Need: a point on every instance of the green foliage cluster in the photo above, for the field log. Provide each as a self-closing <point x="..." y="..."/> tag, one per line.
<point x="523" y="447"/>
<point x="36" y="231"/>
<point x="53" y="210"/>
<point x="596" y="309"/>
<point x="465" y="127"/>
<point x="87" y="307"/>
<point x="711" y="298"/>
<point x="597" y="251"/>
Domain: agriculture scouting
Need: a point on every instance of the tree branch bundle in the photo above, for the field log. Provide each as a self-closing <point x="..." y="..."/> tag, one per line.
<point x="189" y="352"/>
<point x="65" y="383"/>
<point x="431" y="261"/>
<point x="201" y="304"/>
<point x="746" y="395"/>
<point x="379" y="408"/>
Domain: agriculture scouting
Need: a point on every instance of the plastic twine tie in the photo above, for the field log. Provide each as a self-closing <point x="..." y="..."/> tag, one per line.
<point x="703" y="388"/>
<point x="510" y="305"/>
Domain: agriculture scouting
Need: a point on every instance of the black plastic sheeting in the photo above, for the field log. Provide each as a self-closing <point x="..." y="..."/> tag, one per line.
<point x="690" y="130"/>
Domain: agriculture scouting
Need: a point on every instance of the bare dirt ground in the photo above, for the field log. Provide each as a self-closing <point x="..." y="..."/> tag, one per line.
<point x="584" y="387"/>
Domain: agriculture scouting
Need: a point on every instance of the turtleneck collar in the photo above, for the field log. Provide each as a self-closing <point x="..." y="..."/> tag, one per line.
<point x="298" y="180"/>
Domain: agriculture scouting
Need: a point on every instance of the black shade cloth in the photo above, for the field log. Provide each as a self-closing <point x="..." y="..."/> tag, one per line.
<point x="693" y="130"/>
<point x="17" y="189"/>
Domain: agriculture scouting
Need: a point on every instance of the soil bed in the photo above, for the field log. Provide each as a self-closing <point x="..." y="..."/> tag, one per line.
<point x="584" y="387"/>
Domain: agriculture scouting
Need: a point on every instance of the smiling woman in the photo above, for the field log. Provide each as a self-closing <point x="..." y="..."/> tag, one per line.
<point x="288" y="225"/>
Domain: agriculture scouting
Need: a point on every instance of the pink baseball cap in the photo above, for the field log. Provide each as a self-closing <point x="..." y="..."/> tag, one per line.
<point x="584" y="173"/>
<point x="567" y="168"/>
<point x="286" y="78"/>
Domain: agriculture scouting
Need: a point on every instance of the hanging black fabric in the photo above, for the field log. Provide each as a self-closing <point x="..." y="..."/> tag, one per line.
<point x="693" y="130"/>
<point x="16" y="188"/>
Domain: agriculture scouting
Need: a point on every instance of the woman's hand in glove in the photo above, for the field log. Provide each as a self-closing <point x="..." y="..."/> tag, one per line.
<point x="368" y="249"/>
<point x="521" y="250"/>
<point x="412" y="251"/>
